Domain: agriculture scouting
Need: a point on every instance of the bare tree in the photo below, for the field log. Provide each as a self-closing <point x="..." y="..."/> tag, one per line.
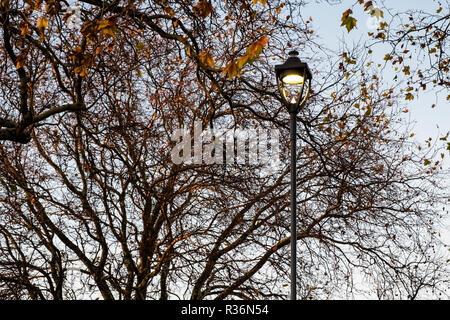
<point x="93" y="206"/>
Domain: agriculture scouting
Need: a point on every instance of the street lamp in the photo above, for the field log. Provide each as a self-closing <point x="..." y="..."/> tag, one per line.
<point x="294" y="83"/>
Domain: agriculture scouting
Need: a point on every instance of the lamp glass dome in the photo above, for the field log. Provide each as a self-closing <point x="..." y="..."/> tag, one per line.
<point x="294" y="79"/>
<point x="292" y="92"/>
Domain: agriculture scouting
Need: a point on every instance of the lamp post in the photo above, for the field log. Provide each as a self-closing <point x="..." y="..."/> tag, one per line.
<point x="294" y="83"/>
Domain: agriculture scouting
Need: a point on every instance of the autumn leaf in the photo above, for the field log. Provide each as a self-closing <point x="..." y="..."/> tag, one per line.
<point x="109" y="32"/>
<point x="347" y="59"/>
<point x="255" y="49"/>
<point x="376" y="12"/>
<point x="42" y="23"/>
<point x="170" y="11"/>
<point x="102" y="24"/>
<point x="252" y="53"/>
<point x="188" y="51"/>
<point x="409" y="96"/>
<point x="107" y="27"/>
<point x="25" y="29"/>
<point x="426" y="162"/>
<point x="242" y="61"/>
<point x="38" y="5"/>
<point x="406" y="70"/>
<point x="81" y="71"/>
<point x="20" y="61"/>
<point x="206" y="59"/>
<point x="203" y="9"/>
<point x="368" y="5"/>
<point x="140" y="45"/>
<point x="348" y="21"/>
<point x="231" y="69"/>
<point x="263" y="2"/>
<point x="381" y="36"/>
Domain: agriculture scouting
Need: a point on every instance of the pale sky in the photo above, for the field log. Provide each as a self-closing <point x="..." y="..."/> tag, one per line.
<point x="429" y="122"/>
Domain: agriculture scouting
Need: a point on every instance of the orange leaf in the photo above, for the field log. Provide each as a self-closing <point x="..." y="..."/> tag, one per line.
<point x="25" y="29"/>
<point x="20" y="63"/>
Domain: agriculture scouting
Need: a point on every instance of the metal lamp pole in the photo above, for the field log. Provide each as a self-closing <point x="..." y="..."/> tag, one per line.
<point x="293" y="130"/>
<point x="294" y="83"/>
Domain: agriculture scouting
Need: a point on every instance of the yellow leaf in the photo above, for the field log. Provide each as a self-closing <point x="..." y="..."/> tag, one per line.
<point x="139" y="73"/>
<point x="42" y="23"/>
<point x="348" y="21"/>
<point x="111" y="31"/>
<point x="263" y="2"/>
<point x="38" y="5"/>
<point x="104" y="24"/>
<point x="140" y="45"/>
<point x="242" y="61"/>
<point x="231" y="70"/>
<point x="376" y="12"/>
<point x="206" y="58"/>
<point x="406" y="70"/>
<point x="255" y="49"/>
<point x="188" y="51"/>
<point x="81" y="71"/>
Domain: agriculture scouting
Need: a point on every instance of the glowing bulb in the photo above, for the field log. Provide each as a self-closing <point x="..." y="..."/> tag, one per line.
<point x="293" y="79"/>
